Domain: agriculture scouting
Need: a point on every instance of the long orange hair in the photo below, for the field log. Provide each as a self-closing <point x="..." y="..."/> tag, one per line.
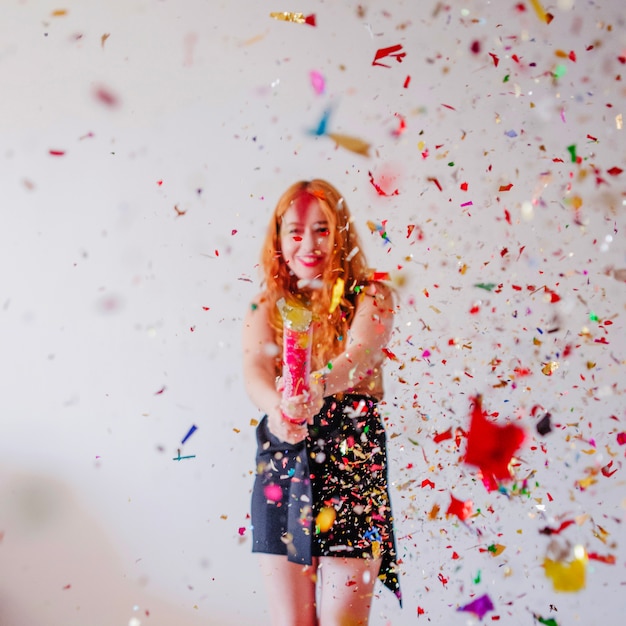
<point x="347" y="262"/>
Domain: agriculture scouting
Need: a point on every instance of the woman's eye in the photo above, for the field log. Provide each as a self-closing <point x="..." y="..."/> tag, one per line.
<point x="324" y="232"/>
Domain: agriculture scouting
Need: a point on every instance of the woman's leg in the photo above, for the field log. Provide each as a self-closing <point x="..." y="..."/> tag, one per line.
<point x="347" y="587"/>
<point x="290" y="590"/>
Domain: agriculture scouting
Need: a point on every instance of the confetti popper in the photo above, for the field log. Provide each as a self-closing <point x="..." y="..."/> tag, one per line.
<point x="297" y="339"/>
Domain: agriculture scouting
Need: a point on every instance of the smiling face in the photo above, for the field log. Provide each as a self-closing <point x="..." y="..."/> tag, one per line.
<point x="305" y="238"/>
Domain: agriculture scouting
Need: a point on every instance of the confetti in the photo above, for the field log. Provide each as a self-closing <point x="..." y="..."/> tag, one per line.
<point x="567" y="576"/>
<point x="491" y="447"/>
<point x="298" y="18"/>
<point x="459" y="508"/>
<point x="479" y="607"/>
<point x="325" y="519"/>
<point x="354" y="144"/>
<point x="317" y="82"/>
<point x="540" y="11"/>
<point x="338" y="290"/>
<point x="190" y="432"/>
<point x="379" y="190"/>
<point x="391" y="51"/>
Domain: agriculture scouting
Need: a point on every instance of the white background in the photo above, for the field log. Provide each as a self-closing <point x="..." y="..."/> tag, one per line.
<point x="120" y="314"/>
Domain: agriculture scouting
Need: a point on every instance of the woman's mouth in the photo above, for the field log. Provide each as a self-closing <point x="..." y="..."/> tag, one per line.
<point x="310" y="260"/>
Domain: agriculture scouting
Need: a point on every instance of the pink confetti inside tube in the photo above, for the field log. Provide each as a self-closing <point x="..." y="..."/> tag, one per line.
<point x="297" y="336"/>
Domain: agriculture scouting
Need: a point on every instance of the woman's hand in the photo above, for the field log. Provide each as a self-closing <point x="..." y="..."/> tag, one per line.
<point x="286" y="430"/>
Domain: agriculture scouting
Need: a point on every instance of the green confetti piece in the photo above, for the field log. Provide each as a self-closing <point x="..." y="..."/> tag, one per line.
<point x="493" y="548"/>
<point x="413" y="442"/>
<point x="451" y="164"/>
<point x="477" y="578"/>
<point x="593" y="317"/>
<point x="548" y="622"/>
<point x="487" y="286"/>
<point x="559" y="71"/>
<point x="329" y="365"/>
<point x="506" y="79"/>
<point x="572" y="150"/>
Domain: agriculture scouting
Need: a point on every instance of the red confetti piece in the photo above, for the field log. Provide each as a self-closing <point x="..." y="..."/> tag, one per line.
<point x="464" y="186"/>
<point x="459" y="508"/>
<point x="401" y="126"/>
<point x="420" y="611"/>
<point x="507" y="216"/>
<point x="448" y="106"/>
<point x="475" y="47"/>
<point x="390" y="355"/>
<point x="407" y="80"/>
<point x="443" y="436"/>
<point x="495" y="58"/>
<point x="506" y="187"/>
<point x="442" y="579"/>
<point x="621" y="438"/>
<point x="431" y="179"/>
<point x="554" y="297"/>
<point x="555" y="531"/>
<point x="606" y="470"/>
<point x="56" y="152"/>
<point x="391" y="51"/>
<point x="491" y="447"/>
<point x="160" y="391"/>
<point x="428" y="483"/>
<point x="615" y="171"/>
<point x="379" y="189"/>
<point x="609" y="559"/>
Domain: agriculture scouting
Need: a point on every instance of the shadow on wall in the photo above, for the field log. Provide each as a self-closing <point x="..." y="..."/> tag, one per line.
<point x="57" y="566"/>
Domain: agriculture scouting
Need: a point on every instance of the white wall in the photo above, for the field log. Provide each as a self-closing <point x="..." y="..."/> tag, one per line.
<point x="101" y="284"/>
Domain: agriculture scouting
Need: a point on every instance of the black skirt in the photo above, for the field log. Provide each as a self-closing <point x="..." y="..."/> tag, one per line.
<point x="340" y="471"/>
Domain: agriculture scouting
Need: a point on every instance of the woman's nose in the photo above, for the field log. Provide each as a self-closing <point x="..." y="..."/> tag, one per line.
<point x="309" y="241"/>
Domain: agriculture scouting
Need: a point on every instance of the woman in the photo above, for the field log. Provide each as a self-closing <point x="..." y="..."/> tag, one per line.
<point x="321" y="512"/>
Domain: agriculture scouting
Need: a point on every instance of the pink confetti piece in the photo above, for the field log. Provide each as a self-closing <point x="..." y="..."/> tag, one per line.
<point x="317" y="82"/>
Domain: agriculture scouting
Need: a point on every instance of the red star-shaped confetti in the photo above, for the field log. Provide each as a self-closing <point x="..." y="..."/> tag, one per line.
<point x="490" y="447"/>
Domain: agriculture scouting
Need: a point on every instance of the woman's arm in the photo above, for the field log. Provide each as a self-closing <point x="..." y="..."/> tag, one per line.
<point x="369" y="333"/>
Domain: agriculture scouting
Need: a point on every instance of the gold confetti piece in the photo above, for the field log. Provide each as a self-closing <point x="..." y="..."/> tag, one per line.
<point x="549" y="368"/>
<point x="104" y="38"/>
<point x="540" y="11"/>
<point x="619" y="122"/>
<point x="298" y="18"/>
<point x="354" y="144"/>
<point x="337" y="293"/>
<point x="236" y="430"/>
<point x="254" y="422"/>
<point x="496" y="549"/>
<point x="59" y="12"/>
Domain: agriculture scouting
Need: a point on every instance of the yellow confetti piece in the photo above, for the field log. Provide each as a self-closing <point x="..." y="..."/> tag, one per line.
<point x="567" y="576"/>
<point x="354" y="144"/>
<point x="254" y="422"/>
<point x="338" y="289"/>
<point x="325" y="519"/>
<point x="59" y="12"/>
<point x="540" y="11"/>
